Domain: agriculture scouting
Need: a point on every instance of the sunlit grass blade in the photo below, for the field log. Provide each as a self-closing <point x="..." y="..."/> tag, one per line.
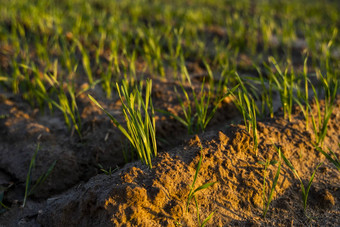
<point x="141" y="133"/>
<point x="205" y="221"/>
<point x="331" y="156"/>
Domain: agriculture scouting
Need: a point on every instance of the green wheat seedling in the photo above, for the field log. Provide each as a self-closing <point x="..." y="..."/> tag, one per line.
<point x="243" y="103"/>
<point x="246" y="105"/>
<point x="175" y="49"/>
<point x="304" y="98"/>
<point x="193" y="191"/>
<point x="16" y="76"/>
<point x="106" y="82"/>
<point x="129" y="68"/>
<point x="68" y="58"/>
<point x="321" y="122"/>
<point x="285" y="84"/>
<point x="67" y="103"/>
<point x="223" y="82"/>
<point x="199" y="120"/>
<point x="111" y="70"/>
<point x="109" y="171"/>
<point x="266" y="94"/>
<point x="33" y="85"/>
<point x="71" y="107"/>
<point x="85" y="60"/>
<point x="331" y="156"/>
<point x="254" y="125"/>
<point x="327" y="55"/>
<point x="140" y="132"/>
<point x="189" y="116"/>
<point x="304" y="190"/>
<point x="268" y="199"/>
<point x="100" y="48"/>
<point x="202" y="103"/>
<point x="68" y="106"/>
<point x="220" y="90"/>
<point x="305" y="71"/>
<point x="28" y="189"/>
<point x="152" y="49"/>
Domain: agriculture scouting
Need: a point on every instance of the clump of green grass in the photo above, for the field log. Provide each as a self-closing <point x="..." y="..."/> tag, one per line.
<point x="198" y="120"/>
<point x="152" y="49"/>
<point x="193" y="191"/>
<point x="67" y="102"/>
<point x="42" y="89"/>
<point x="175" y="48"/>
<point x="28" y="189"/>
<point x="32" y="84"/>
<point x="69" y="108"/>
<point x="321" y="122"/>
<point x="285" y="84"/>
<point x="189" y="116"/>
<point x="140" y="132"/>
<point x="304" y="190"/>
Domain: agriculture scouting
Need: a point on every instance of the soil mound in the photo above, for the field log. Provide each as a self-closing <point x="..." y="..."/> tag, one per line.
<point x="138" y="196"/>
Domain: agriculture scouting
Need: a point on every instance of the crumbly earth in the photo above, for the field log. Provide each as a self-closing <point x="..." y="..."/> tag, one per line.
<point x="77" y="194"/>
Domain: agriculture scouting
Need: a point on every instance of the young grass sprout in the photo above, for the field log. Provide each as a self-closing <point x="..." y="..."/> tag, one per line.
<point x="188" y="119"/>
<point x="199" y="120"/>
<point x="266" y="94"/>
<point x="68" y="106"/>
<point x="303" y="99"/>
<point x="321" y="122"/>
<point x="245" y="103"/>
<point x="285" y="84"/>
<point x="85" y="60"/>
<point x="141" y="133"/>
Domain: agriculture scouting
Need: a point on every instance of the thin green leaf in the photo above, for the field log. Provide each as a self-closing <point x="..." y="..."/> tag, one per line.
<point x="207" y="219"/>
<point x="29" y="175"/>
<point x="309" y="185"/>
